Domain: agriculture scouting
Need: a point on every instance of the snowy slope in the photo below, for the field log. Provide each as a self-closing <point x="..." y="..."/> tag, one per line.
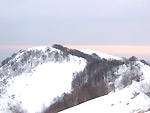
<point x="101" y="55"/>
<point x="131" y="99"/>
<point x="35" y="89"/>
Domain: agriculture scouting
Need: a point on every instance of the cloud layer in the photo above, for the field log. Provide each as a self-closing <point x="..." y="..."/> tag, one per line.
<point x="75" y="22"/>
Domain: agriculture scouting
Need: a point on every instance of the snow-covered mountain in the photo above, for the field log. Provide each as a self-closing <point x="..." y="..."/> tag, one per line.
<point x="52" y="79"/>
<point x="31" y="78"/>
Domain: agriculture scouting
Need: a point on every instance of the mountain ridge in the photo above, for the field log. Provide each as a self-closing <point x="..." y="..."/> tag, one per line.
<point x="67" y="77"/>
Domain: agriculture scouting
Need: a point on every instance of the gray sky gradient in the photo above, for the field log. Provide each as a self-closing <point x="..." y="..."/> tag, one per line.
<point x="75" y="22"/>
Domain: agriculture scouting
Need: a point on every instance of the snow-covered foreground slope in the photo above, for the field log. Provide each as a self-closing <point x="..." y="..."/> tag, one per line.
<point x="132" y="99"/>
<point x="33" y="91"/>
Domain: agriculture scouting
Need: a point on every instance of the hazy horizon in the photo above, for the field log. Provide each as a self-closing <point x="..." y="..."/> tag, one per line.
<point x="141" y="52"/>
<point x="75" y="22"/>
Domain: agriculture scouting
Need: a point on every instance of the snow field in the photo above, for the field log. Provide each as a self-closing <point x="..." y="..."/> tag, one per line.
<point x="35" y="91"/>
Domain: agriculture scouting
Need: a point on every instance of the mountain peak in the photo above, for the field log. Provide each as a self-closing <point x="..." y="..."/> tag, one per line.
<point x="29" y="78"/>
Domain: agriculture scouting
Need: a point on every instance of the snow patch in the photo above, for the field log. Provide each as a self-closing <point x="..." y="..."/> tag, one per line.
<point x="101" y="55"/>
<point x="119" y="102"/>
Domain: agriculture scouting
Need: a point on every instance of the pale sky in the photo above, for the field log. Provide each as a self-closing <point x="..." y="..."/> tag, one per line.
<point x="74" y="22"/>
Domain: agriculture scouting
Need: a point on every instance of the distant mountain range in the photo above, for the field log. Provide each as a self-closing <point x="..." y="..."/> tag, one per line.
<point x="53" y="79"/>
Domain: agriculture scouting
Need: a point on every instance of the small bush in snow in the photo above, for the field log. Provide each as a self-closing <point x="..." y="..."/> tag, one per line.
<point x="145" y="88"/>
<point x="135" y="93"/>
